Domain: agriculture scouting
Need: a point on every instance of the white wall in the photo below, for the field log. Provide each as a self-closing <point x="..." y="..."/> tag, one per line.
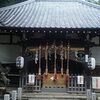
<point x="96" y="50"/>
<point x="96" y="54"/>
<point x="8" y="53"/>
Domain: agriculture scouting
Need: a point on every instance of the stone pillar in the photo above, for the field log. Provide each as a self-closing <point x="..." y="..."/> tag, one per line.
<point x="98" y="98"/>
<point x="14" y="95"/>
<point x="93" y="96"/>
<point x="19" y="93"/>
<point x="88" y="94"/>
<point x="7" y="97"/>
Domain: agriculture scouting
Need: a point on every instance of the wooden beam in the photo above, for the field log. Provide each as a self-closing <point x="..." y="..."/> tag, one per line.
<point x="72" y="49"/>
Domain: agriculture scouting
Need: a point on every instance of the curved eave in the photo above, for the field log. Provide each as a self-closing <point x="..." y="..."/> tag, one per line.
<point x="21" y="30"/>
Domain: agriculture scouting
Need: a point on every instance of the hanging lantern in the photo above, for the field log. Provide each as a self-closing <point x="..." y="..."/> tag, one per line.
<point x="20" y="62"/>
<point x="91" y="63"/>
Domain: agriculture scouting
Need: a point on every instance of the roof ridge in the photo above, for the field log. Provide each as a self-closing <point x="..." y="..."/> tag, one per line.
<point x="81" y="1"/>
<point x="31" y="1"/>
<point x="57" y="0"/>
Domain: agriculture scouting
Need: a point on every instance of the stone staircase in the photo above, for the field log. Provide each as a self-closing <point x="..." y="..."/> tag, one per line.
<point x="53" y="96"/>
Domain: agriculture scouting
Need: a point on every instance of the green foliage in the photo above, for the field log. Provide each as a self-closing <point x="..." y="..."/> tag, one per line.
<point x="8" y="2"/>
<point x="94" y="1"/>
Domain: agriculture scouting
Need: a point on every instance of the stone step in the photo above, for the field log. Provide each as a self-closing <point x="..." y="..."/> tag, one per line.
<point x="56" y="99"/>
<point x="53" y="96"/>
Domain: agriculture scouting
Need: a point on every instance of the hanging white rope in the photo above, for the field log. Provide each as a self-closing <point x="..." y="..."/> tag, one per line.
<point x="67" y="70"/>
<point x="55" y="57"/>
<point x="46" y="58"/>
<point x="61" y="54"/>
<point x="39" y="60"/>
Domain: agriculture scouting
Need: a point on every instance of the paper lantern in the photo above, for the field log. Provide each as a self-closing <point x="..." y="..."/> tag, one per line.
<point x="20" y="62"/>
<point x="91" y="63"/>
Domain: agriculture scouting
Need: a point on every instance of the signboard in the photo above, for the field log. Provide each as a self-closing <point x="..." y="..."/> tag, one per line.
<point x="96" y="82"/>
<point x="80" y="79"/>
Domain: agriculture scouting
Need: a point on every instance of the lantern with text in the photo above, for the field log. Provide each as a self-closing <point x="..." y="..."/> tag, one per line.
<point x="20" y="62"/>
<point x="91" y="63"/>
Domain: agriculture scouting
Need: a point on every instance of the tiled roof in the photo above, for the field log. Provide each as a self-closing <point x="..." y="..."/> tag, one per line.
<point x="51" y="14"/>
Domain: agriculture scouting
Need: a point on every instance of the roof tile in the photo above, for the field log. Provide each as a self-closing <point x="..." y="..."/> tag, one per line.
<point x="43" y="14"/>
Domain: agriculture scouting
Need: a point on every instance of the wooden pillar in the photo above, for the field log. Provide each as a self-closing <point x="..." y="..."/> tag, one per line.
<point x="25" y="71"/>
<point x="88" y="71"/>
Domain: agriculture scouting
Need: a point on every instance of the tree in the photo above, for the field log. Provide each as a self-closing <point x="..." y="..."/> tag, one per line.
<point x="9" y="2"/>
<point x="3" y="72"/>
<point x="94" y="1"/>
